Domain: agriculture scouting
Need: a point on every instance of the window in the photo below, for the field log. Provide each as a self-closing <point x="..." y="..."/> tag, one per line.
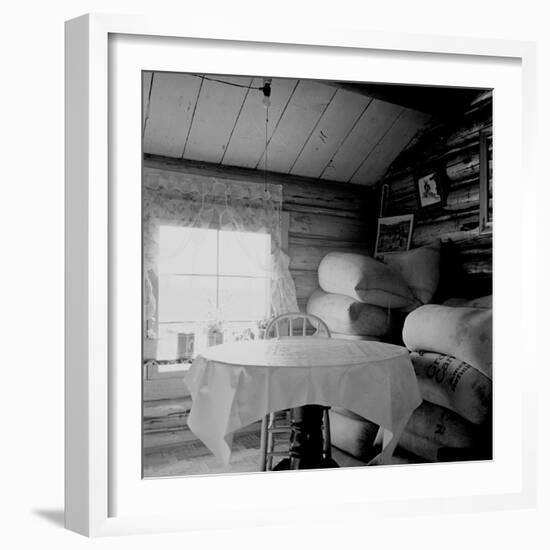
<point x="210" y="278"/>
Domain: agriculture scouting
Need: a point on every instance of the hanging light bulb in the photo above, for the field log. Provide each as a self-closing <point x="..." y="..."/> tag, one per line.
<point x="266" y="89"/>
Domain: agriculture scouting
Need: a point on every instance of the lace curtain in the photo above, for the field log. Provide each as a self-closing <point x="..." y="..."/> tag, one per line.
<point x="172" y="198"/>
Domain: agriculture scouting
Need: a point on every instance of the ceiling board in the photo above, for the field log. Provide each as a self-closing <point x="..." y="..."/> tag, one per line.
<point x="393" y="142"/>
<point x="247" y="142"/>
<point x="315" y="129"/>
<point x="170" y="111"/>
<point x="305" y="108"/>
<point x="369" y="130"/>
<point x="217" y="110"/>
<point x="330" y="132"/>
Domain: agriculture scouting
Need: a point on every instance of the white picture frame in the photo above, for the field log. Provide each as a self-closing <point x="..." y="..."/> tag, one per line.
<point x="100" y="498"/>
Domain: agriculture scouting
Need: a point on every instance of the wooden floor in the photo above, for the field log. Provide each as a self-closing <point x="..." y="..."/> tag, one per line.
<point x="171" y="449"/>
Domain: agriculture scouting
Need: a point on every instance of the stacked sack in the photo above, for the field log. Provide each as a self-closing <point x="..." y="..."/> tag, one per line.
<point x="363" y="298"/>
<point x="360" y="297"/>
<point x="451" y="349"/>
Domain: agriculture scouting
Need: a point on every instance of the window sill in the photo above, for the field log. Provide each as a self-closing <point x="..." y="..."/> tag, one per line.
<point x="166" y="368"/>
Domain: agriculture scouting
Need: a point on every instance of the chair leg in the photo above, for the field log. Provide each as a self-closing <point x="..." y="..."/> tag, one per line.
<point x="263" y="444"/>
<point x="327" y="446"/>
<point x="270" y="441"/>
<point x="267" y="438"/>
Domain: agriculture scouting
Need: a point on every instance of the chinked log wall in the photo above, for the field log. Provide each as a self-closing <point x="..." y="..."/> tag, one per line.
<point x="323" y="216"/>
<point x="453" y="146"/>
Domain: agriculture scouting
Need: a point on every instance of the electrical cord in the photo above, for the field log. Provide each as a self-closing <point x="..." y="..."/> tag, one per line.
<point x="266" y="88"/>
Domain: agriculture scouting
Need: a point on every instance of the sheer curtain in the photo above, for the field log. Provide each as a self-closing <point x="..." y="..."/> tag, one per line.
<point x="186" y="200"/>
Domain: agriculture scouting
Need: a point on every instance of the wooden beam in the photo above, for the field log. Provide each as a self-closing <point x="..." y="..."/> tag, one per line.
<point x="308" y="195"/>
<point x="237" y="173"/>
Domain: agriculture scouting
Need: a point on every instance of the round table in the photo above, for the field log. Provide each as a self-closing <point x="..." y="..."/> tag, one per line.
<point x="233" y="385"/>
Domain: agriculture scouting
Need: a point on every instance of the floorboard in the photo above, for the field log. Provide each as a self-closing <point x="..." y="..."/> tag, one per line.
<point x="171" y="449"/>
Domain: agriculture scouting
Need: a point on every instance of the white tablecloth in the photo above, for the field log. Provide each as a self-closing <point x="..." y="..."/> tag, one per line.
<point x="233" y="385"/>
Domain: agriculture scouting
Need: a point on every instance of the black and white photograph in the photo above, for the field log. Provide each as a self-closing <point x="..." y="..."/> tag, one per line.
<point x="394" y="234"/>
<point x="250" y="248"/>
<point x="428" y="190"/>
<point x="275" y="335"/>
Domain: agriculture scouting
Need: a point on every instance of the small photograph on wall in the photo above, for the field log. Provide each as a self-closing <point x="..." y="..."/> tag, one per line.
<point x="266" y="317"/>
<point x="394" y="234"/>
<point x="429" y="192"/>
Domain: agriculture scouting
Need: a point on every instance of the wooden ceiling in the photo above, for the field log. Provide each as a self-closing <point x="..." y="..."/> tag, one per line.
<point x="315" y="129"/>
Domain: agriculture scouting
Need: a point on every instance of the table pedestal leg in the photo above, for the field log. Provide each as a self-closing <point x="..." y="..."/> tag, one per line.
<point x="306" y="440"/>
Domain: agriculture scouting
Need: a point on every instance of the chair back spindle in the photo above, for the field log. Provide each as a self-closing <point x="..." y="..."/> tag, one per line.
<point x="275" y="327"/>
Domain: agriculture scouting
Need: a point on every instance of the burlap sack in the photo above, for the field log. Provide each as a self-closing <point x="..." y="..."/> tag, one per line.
<point x="485" y="302"/>
<point x="352" y="433"/>
<point x="345" y="315"/>
<point x="364" y="279"/>
<point x="462" y="332"/>
<point x="453" y="384"/>
<point x="419" y="268"/>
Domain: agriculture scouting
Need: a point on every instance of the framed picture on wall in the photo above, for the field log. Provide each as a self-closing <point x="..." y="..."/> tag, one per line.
<point x="106" y="491"/>
<point x="394" y="234"/>
<point x="485" y="182"/>
<point x="429" y="188"/>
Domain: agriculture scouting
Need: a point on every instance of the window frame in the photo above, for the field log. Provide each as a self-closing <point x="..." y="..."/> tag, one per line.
<point x="153" y="378"/>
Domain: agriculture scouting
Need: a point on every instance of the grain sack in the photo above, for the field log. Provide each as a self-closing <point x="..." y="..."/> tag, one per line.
<point x="419" y="268"/>
<point x="365" y="279"/>
<point x="419" y="446"/>
<point x="345" y="315"/>
<point x="429" y="451"/>
<point x="453" y="384"/>
<point x="441" y="426"/>
<point x="465" y="333"/>
<point x="352" y="433"/>
<point x="485" y="302"/>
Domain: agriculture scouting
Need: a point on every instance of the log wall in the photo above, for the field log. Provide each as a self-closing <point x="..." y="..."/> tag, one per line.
<point x="323" y="216"/>
<point x="452" y="146"/>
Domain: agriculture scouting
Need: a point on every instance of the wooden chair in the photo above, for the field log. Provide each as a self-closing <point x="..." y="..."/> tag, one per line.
<point x="282" y="326"/>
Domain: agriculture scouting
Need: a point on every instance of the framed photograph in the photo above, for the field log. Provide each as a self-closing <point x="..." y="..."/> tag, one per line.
<point x="485" y="181"/>
<point x="394" y="234"/>
<point x="114" y="339"/>
<point x="429" y="189"/>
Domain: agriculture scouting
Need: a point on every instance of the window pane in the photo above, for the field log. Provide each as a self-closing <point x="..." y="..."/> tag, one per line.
<point x="244" y="253"/>
<point x="186" y="298"/>
<point x="187" y="250"/>
<point x="243" y="298"/>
